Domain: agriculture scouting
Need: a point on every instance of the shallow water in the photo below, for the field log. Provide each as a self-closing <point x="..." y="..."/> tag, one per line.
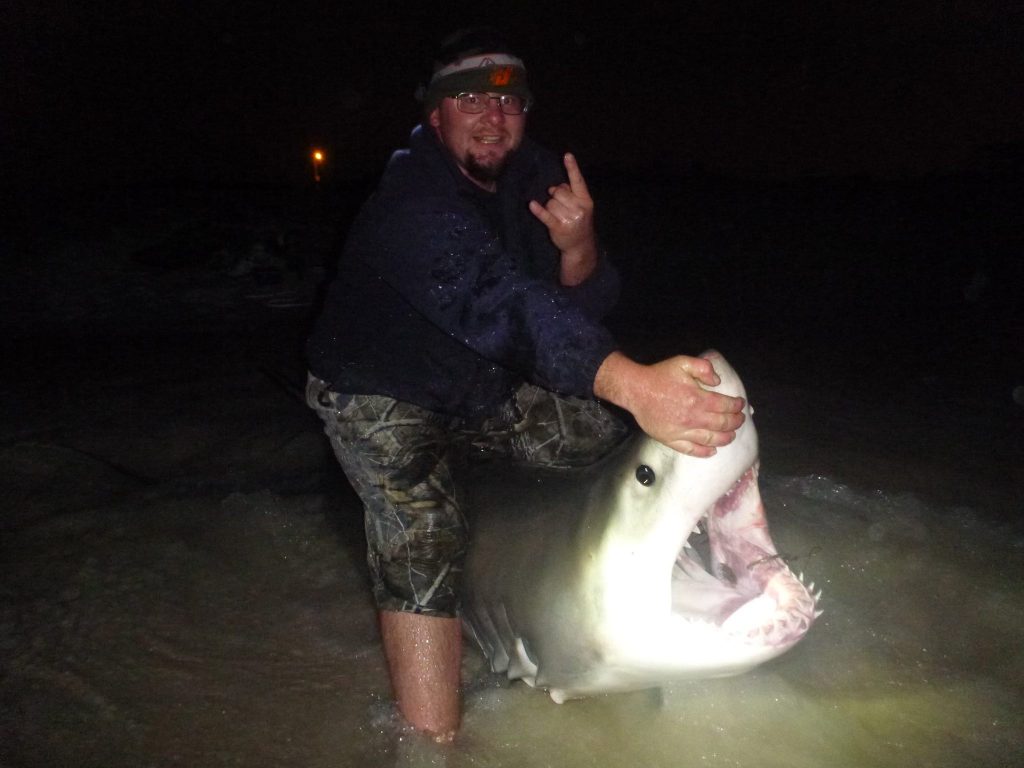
<point x="233" y="627"/>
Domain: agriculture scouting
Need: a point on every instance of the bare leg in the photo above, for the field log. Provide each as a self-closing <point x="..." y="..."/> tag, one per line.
<point x="424" y="654"/>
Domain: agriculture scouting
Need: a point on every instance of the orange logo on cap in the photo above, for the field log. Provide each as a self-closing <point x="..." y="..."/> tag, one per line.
<point x="501" y="76"/>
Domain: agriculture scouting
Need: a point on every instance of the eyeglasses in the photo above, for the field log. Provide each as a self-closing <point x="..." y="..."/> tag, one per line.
<point x="475" y="103"/>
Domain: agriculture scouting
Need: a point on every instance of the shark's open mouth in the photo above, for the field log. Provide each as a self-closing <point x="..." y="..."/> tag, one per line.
<point x="729" y="574"/>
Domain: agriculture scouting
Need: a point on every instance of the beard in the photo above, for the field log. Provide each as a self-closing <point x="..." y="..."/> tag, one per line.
<point x="486" y="172"/>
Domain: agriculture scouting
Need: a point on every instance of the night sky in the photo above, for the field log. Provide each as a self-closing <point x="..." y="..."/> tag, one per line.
<point x="225" y="92"/>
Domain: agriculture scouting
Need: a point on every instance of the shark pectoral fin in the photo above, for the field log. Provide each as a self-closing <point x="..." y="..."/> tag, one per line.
<point x="489" y="638"/>
<point x="558" y="695"/>
<point x="520" y="663"/>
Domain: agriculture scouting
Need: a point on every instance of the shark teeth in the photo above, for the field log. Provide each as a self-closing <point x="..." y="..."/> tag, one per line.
<point x="810" y="588"/>
<point x="786" y="627"/>
<point x="795" y="610"/>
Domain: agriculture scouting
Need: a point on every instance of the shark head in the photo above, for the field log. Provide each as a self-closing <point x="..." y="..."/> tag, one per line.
<point x="693" y="586"/>
<point x="653" y="566"/>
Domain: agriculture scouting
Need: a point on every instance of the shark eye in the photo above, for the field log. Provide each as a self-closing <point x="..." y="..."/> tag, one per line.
<point x="644" y="475"/>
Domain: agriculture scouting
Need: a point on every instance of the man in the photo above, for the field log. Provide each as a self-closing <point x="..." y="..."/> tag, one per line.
<point x="466" y="318"/>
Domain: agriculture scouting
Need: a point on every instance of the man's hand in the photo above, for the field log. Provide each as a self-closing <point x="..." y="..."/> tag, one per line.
<point x="669" y="403"/>
<point x="569" y="217"/>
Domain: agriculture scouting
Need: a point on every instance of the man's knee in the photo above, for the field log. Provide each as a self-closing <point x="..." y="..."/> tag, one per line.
<point x="559" y="431"/>
<point x="416" y="549"/>
<point x="412" y="584"/>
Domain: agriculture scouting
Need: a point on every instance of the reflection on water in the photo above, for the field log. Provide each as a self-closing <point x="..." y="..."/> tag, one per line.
<point x="237" y="630"/>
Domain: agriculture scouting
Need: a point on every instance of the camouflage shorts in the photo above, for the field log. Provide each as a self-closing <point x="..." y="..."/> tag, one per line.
<point x="399" y="458"/>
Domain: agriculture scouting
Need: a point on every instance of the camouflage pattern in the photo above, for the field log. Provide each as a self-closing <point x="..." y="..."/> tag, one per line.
<point x="400" y="457"/>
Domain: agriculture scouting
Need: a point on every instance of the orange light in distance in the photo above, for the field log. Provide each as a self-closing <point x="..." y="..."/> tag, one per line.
<point x="318" y="158"/>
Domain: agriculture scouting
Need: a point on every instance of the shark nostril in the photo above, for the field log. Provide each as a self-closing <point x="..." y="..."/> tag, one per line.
<point x="644" y="475"/>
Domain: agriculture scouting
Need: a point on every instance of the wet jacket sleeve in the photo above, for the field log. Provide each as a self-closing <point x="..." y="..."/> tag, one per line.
<point x="451" y="268"/>
<point x="598" y="293"/>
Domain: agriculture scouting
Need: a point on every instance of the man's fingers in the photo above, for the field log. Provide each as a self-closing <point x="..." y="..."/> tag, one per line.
<point x="576" y="181"/>
<point x="716" y="402"/>
<point x="701" y="443"/>
<point x="701" y="369"/>
<point x="692" y="449"/>
<point x="565" y="196"/>
<point x="543" y="214"/>
<point x="563" y="210"/>
<point x="718" y="413"/>
<point x="709" y="437"/>
<point x="569" y="203"/>
<point x="728" y="422"/>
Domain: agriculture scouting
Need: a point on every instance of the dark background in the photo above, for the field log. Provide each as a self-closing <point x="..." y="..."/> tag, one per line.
<point x="828" y="192"/>
<point x="238" y="91"/>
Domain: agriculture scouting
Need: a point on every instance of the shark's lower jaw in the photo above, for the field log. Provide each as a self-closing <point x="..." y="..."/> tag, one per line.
<point x="746" y="591"/>
<point x="779" y="616"/>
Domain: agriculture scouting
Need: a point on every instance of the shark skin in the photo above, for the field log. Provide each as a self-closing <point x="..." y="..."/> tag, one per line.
<point x="587" y="581"/>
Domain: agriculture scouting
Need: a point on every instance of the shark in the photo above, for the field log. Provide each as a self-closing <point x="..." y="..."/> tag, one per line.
<point x="645" y="568"/>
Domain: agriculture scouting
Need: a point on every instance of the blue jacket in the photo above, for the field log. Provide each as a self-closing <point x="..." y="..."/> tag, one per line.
<point x="447" y="296"/>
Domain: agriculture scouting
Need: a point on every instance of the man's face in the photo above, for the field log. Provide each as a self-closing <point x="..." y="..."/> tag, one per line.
<point x="482" y="143"/>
